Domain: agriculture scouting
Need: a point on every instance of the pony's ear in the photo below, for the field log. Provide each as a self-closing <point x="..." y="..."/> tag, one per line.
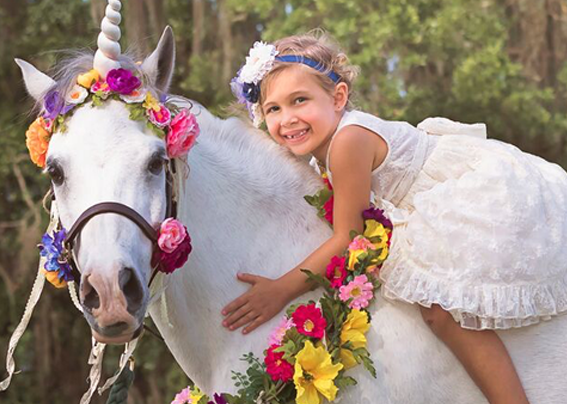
<point x="159" y="65"/>
<point x="37" y="83"/>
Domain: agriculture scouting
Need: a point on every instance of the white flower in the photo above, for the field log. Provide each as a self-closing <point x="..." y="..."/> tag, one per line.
<point x="134" y="97"/>
<point x="258" y="63"/>
<point x="77" y="95"/>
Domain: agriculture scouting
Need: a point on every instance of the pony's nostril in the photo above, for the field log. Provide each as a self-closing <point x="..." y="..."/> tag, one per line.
<point x="91" y="299"/>
<point x="132" y="289"/>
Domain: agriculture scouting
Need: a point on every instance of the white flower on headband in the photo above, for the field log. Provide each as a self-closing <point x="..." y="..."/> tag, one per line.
<point x="77" y="95"/>
<point x="258" y="63"/>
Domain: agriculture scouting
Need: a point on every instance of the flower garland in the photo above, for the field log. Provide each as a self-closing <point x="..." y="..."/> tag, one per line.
<point x="178" y="127"/>
<point x="317" y="342"/>
<point x="323" y="200"/>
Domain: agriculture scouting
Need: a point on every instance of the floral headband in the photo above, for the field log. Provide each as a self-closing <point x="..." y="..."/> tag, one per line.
<point x="246" y="85"/>
<point x="178" y="127"/>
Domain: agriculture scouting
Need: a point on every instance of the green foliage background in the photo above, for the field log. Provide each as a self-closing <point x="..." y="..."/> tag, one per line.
<point x="502" y="62"/>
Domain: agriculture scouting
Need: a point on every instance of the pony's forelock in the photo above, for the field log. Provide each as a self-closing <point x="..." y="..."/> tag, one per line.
<point x="74" y="63"/>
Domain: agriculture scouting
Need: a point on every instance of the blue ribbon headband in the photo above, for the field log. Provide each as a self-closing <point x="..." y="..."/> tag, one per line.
<point x="309" y="62"/>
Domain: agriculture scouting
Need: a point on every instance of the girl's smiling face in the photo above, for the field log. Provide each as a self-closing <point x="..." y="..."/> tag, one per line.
<point x="300" y="113"/>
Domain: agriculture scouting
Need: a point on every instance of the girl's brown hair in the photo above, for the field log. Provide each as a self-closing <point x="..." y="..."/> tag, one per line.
<point x="320" y="47"/>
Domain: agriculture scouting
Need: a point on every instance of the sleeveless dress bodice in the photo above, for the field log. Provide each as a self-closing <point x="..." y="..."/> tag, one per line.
<point x="408" y="149"/>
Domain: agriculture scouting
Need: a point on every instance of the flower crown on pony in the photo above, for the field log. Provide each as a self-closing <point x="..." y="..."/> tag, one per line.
<point x="178" y="127"/>
<point x="246" y="85"/>
<point x="109" y="81"/>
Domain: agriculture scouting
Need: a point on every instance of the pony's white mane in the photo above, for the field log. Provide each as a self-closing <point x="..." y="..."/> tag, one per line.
<point x="236" y="148"/>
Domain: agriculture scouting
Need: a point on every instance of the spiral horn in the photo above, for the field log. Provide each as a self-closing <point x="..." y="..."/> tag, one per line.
<point x="106" y="57"/>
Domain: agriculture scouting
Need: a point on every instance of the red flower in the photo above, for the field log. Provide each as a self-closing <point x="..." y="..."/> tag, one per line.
<point x="336" y="271"/>
<point x="309" y="321"/>
<point x="328" y="207"/>
<point x="169" y="262"/>
<point x="277" y="367"/>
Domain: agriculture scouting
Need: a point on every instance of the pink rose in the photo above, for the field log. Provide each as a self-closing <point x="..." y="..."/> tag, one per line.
<point x="173" y="246"/>
<point x="183" y="132"/>
<point x="160" y="118"/>
<point x="171" y="234"/>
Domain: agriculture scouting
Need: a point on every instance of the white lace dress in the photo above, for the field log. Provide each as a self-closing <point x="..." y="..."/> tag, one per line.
<point x="480" y="226"/>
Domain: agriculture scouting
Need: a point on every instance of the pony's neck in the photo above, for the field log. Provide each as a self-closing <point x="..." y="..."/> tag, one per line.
<point x="242" y="201"/>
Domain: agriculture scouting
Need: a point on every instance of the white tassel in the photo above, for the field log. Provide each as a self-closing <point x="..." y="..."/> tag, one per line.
<point x="106" y="57"/>
<point x="21" y="328"/>
<point x="95" y="360"/>
<point x="30" y="305"/>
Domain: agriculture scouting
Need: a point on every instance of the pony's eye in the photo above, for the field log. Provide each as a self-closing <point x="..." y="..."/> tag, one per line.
<point x="156" y="165"/>
<point x="55" y="172"/>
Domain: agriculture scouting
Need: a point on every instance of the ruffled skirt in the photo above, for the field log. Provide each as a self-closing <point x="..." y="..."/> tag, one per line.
<point x="483" y="234"/>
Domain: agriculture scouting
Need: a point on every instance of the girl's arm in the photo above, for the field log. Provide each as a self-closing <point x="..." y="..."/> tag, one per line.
<point x="355" y="152"/>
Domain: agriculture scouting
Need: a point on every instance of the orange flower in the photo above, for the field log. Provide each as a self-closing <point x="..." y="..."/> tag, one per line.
<point x="53" y="278"/>
<point x="37" y="141"/>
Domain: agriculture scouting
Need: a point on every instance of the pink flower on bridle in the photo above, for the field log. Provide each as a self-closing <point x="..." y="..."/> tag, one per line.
<point x="173" y="246"/>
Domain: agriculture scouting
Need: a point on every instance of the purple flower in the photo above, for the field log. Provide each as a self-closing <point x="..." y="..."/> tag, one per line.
<point x="51" y="248"/>
<point x="122" y="81"/>
<point x="378" y="215"/>
<point x="169" y="262"/>
<point x="218" y="399"/>
<point x="236" y="88"/>
<point x="54" y="105"/>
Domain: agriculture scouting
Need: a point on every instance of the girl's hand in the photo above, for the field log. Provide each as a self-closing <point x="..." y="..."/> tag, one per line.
<point x="265" y="299"/>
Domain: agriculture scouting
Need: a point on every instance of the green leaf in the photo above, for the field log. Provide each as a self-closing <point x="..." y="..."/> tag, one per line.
<point x="317" y="279"/>
<point x="345" y="381"/>
<point x="96" y="101"/>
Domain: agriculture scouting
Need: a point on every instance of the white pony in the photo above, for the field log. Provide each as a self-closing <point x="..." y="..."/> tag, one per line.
<point x="243" y="205"/>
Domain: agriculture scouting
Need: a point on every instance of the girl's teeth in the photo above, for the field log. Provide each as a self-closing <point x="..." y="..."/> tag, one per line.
<point x="298" y="135"/>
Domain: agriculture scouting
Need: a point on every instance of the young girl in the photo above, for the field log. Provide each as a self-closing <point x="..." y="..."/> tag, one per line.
<point x="481" y="240"/>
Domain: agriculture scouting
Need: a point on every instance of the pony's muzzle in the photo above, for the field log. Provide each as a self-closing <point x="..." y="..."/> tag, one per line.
<point x="113" y="305"/>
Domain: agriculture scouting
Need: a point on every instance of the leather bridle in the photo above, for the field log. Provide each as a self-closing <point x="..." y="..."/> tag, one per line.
<point x="127" y="212"/>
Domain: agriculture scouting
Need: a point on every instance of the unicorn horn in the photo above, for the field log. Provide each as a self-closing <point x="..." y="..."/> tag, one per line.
<point x="106" y="57"/>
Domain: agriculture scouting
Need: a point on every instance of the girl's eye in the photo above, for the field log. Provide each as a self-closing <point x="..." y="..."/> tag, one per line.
<point x="272" y="109"/>
<point x="299" y="100"/>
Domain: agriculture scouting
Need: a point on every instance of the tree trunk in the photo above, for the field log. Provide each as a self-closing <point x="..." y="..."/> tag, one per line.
<point x="97" y="11"/>
<point x="198" y="27"/>
<point x="136" y="23"/>
<point x="537" y="37"/>
<point x="226" y="40"/>
<point x="156" y="17"/>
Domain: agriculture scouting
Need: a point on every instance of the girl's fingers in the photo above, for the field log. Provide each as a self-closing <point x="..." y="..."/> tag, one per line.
<point x="248" y="278"/>
<point x="244" y="320"/>
<point x="255" y="324"/>
<point x="236" y="315"/>
<point x="235" y="304"/>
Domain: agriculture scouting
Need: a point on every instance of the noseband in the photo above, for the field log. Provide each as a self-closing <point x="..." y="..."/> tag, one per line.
<point x="125" y="211"/>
